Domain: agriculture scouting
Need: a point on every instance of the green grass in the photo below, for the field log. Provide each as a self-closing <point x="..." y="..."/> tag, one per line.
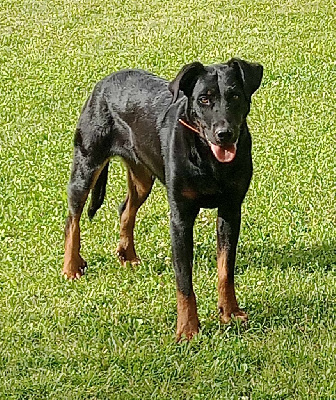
<point x="111" y="334"/>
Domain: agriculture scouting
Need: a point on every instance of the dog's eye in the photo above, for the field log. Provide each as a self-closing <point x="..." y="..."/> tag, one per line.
<point x="235" y="97"/>
<point x="204" y="101"/>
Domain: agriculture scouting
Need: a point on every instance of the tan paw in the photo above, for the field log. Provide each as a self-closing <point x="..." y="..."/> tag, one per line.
<point x="74" y="270"/>
<point x="125" y="258"/>
<point x="187" y="332"/>
<point x="238" y="314"/>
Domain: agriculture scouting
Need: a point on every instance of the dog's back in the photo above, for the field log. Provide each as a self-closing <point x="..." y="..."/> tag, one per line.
<point x="125" y="112"/>
<point x="131" y="95"/>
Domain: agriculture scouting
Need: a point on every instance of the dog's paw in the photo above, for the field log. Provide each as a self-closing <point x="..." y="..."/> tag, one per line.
<point x="125" y="258"/>
<point x="187" y="332"/>
<point x="187" y="328"/>
<point x="238" y="314"/>
<point x="74" y="270"/>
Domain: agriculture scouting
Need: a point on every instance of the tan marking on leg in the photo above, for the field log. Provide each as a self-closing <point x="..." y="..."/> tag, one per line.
<point x="187" y="319"/>
<point x="227" y="302"/>
<point x="140" y="183"/>
<point x="74" y="265"/>
<point x="126" y="250"/>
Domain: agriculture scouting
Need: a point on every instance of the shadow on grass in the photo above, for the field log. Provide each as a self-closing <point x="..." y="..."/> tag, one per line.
<point x="269" y="255"/>
<point x="308" y="259"/>
<point x="298" y="307"/>
<point x="299" y="312"/>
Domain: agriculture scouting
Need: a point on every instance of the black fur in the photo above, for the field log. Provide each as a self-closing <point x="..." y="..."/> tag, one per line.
<point x="98" y="192"/>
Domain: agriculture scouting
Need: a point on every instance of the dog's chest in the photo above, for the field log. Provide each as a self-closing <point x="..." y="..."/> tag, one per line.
<point x="209" y="184"/>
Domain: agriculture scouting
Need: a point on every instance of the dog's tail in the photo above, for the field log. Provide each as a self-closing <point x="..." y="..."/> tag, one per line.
<point x="98" y="192"/>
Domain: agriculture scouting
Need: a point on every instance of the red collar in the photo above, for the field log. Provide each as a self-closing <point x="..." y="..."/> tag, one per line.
<point x="189" y="126"/>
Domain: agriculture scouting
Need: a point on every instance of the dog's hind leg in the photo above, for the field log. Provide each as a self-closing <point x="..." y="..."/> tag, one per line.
<point x="83" y="178"/>
<point x="140" y="182"/>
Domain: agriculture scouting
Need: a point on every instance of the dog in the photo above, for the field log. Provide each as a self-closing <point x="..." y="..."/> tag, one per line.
<point x="192" y="135"/>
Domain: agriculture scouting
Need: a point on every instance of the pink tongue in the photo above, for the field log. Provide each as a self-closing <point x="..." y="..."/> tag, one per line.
<point x="224" y="154"/>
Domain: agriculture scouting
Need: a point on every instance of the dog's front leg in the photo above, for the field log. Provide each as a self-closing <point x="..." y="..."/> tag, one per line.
<point x="182" y="220"/>
<point x="228" y="226"/>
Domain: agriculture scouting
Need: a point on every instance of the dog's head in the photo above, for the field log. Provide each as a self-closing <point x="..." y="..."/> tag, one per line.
<point x="219" y="99"/>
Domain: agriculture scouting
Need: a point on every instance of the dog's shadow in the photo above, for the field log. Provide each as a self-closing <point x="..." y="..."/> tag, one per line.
<point x="287" y="304"/>
<point x="307" y="259"/>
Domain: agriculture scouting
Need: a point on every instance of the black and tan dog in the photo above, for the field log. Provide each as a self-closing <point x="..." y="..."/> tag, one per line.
<point x="192" y="135"/>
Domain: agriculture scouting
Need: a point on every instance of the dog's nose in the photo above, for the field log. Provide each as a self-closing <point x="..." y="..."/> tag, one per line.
<point x="224" y="135"/>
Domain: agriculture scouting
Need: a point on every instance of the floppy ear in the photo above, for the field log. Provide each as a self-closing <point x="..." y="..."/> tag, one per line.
<point x="186" y="79"/>
<point x="251" y="74"/>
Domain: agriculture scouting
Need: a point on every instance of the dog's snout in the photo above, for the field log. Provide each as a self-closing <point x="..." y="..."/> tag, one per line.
<point x="224" y="135"/>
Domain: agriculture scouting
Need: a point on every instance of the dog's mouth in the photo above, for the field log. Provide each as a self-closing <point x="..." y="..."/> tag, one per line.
<point x="224" y="153"/>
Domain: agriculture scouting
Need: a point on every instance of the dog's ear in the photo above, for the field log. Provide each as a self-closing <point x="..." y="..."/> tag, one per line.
<point x="251" y="74"/>
<point x="186" y="79"/>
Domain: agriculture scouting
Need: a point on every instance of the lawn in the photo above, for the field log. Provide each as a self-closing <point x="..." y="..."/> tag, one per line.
<point x="111" y="334"/>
